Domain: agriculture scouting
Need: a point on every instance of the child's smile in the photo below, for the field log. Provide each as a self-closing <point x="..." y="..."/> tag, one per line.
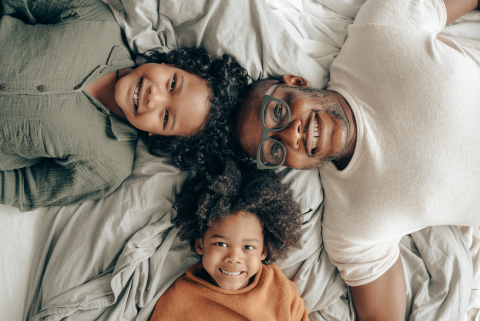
<point x="232" y="250"/>
<point x="231" y="273"/>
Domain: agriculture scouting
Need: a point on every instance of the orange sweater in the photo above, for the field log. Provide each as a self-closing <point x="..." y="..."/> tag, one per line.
<point x="271" y="296"/>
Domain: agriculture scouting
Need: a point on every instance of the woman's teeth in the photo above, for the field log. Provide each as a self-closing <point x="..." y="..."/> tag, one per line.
<point x="229" y="273"/>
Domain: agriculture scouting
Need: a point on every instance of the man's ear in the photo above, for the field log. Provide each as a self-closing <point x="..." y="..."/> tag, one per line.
<point x="199" y="246"/>
<point x="295" y="81"/>
<point x="152" y="134"/>
<point x="264" y="252"/>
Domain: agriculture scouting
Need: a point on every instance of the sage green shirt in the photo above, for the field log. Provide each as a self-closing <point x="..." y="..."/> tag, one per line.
<point x="58" y="144"/>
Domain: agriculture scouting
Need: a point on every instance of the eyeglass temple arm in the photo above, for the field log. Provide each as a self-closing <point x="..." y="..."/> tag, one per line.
<point x="271" y="89"/>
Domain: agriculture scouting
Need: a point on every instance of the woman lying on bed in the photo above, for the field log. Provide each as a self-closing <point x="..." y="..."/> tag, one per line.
<point x="73" y="102"/>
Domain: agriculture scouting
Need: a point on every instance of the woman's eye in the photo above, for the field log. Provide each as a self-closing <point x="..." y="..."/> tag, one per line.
<point x="172" y="85"/>
<point x="248" y="247"/>
<point x="221" y="244"/>
<point x="165" y="118"/>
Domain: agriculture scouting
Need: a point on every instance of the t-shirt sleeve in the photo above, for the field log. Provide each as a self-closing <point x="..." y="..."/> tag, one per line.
<point x="360" y="264"/>
<point x="424" y="15"/>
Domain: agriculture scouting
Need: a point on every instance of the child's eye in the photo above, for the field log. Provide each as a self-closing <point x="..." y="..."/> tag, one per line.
<point x="172" y="85"/>
<point x="248" y="247"/>
<point x="221" y="244"/>
<point x="165" y="118"/>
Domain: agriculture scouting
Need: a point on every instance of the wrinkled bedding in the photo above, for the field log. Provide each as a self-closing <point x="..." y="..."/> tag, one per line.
<point x="111" y="259"/>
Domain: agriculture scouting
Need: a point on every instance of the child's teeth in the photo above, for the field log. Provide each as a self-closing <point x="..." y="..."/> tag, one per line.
<point x="230" y="273"/>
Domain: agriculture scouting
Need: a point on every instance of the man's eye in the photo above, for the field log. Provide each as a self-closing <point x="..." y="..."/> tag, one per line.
<point x="174" y="81"/>
<point x="221" y="244"/>
<point x="275" y="151"/>
<point x="278" y="112"/>
<point x="248" y="247"/>
<point x="165" y="118"/>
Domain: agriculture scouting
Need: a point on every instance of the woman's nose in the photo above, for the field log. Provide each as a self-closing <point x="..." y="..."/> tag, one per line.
<point x="292" y="135"/>
<point x="156" y="98"/>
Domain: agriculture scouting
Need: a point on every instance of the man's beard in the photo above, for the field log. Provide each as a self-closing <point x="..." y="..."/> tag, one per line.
<point x="329" y="106"/>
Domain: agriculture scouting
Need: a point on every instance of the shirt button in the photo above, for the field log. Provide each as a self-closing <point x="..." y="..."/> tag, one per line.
<point x="76" y="87"/>
<point x="3" y="87"/>
<point x="42" y="88"/>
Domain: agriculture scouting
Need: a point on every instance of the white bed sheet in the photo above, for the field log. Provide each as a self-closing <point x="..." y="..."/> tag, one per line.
<point x="319" y="28"/>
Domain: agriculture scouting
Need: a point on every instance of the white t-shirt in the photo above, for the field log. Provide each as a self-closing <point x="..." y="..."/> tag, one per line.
<point x="416" y="100"/>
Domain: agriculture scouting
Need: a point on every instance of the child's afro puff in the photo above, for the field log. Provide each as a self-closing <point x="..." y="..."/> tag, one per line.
<point x="232" y="187"/>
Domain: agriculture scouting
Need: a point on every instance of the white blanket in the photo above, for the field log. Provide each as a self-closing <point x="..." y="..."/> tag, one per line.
<point x="111" y="259"/>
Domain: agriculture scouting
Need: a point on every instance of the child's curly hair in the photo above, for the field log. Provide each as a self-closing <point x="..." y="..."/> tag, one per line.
<point x="228" y="188"/>
<point x="225" y="79"/>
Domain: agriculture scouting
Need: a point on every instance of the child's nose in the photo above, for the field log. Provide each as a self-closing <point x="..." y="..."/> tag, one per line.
<point x="234" y="256"/>
<point x="156" y="98"/>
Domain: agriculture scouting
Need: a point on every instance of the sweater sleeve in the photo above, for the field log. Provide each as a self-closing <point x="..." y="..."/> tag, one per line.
<point x="55" y="182"/>
<point x="299" y="310"/>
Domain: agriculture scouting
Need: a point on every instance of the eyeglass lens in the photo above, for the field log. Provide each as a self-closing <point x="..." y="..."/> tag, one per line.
<point x="271" y="152"/>
<point x="275" y="115"/>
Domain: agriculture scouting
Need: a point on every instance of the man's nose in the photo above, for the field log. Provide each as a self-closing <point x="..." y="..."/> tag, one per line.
<point x="156" y="97"/>
<point x="290" y="136"/>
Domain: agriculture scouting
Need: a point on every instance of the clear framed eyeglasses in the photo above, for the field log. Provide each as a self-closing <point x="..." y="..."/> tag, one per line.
<point x="274" y="117"/>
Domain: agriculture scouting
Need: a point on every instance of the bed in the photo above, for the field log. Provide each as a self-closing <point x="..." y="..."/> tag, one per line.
<point x="111" y="259"/>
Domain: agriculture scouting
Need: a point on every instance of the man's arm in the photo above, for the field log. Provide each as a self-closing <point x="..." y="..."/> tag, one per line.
<point x="457" y="8"/>
<point x="383" y="299"/>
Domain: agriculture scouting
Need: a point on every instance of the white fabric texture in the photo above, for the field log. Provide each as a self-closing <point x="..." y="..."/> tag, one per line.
<point x="416" y="102"/>
<point x="246" y="29"/>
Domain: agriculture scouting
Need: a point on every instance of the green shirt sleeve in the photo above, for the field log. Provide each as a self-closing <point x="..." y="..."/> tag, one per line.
<point x="54" y="182"/>
<point x="52" y="11"/>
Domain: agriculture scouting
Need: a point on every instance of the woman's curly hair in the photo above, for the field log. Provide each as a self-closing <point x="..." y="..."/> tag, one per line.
<point x="234" y="186"/>
<point x="225" y="79"/>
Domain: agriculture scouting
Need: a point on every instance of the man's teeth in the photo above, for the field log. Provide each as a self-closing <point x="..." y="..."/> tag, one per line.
<point x="229" y="273"/>
<point x="315" y="133"/>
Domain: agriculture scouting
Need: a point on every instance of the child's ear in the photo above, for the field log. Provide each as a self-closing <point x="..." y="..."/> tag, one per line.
<point x="199" y="246"/>
<point x="264" y="252"/>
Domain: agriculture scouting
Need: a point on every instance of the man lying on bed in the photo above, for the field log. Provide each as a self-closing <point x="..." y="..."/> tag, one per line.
<point x="395" y="134"/>
<point x="73" y="101"/>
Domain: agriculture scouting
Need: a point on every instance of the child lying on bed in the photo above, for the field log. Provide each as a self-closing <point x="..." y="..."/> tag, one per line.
<point x="236" y="220"/>
<point x="73" y="103"/>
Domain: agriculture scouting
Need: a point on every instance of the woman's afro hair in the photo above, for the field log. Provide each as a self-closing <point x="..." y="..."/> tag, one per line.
<point x="226" y="79"/>
<point x="232" y="187"/>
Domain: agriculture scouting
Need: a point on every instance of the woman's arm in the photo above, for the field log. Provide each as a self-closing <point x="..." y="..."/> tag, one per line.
<point x="383" y="299"/>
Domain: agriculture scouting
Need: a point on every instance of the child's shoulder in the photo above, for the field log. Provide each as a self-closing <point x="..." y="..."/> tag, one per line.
<point x="275" y="274"/>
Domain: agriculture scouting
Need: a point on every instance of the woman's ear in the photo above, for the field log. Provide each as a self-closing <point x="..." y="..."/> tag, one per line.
<point x="264" y="252"/>
<point x="295" y="81"/>
<point x="199" y="246"/>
